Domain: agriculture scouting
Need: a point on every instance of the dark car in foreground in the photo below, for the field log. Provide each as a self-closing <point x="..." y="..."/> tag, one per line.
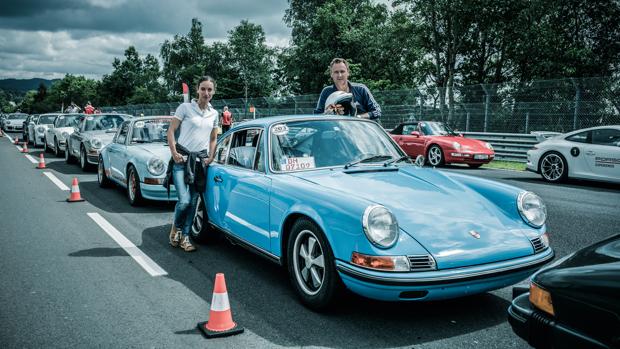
<point x="574" y="302"/>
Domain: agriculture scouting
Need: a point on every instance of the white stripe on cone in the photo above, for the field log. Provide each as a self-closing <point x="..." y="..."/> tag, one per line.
<point x="75" y="189"/>
<point x="219" y="302"/>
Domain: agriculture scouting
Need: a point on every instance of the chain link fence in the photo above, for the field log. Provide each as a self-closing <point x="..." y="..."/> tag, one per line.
<point x="554" y="105"/>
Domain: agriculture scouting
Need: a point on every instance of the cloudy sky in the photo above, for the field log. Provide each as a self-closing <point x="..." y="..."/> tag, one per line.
<point x="50" y="38"/>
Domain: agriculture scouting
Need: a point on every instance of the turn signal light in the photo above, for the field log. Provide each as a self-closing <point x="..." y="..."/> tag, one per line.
<point x="386" y="263"/>
<point x="153" y="180"/>
<point x="541" y="299"/>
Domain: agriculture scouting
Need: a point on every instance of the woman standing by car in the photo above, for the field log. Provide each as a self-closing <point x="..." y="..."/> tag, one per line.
<point x="192" y="154"/>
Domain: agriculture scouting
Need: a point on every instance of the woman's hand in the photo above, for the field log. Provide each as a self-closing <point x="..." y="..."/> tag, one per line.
<point x="208" y="161"/>
<point x="178" y="158"/>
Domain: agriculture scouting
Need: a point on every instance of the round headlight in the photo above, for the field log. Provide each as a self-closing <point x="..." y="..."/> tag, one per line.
<point x="40" y="129"/>
<point x="156" y="166"/>
<point x="456" y="145"/>
<point x="380" y="226"/>
<point x="532" y="209"/>
<point x="95" y="143"/>
<point x="65" y="135"/>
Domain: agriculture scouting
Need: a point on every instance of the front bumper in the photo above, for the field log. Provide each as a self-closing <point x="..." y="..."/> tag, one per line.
<point x="464" y="157"/>
<point x="542" y="331"/>
<point x="157" y="192"/>
<point x="440" y="284"/>
<point x="13" y="127"/>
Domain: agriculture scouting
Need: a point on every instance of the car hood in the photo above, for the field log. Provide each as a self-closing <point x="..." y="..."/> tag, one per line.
<point x="103" y="136"/>
<point x="15" y="121"/>
<point x="161" y="150"/>
<point x="437" y="211"/>
<point x="464" y="142"/>
<point x="589" y="276"/>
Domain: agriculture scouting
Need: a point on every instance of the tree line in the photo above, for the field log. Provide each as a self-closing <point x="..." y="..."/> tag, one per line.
<point x="430" y="44"/>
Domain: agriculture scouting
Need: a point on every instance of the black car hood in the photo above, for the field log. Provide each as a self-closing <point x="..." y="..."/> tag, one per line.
<point x="590" y="276"/>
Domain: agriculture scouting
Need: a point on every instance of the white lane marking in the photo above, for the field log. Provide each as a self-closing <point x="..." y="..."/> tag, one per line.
<point x="18" y="148"/>
<point x="145" y="262"/>
<point x="56" y="181"/>
<point x="33" y="160"/>
<point x="9" y="137"/>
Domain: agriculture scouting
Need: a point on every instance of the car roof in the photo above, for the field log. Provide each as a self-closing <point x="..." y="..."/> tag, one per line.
<point x="267" y="121"/>
<point x="617" y="127"/>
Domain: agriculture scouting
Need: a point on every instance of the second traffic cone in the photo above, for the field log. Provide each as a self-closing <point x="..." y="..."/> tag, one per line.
<point x="16" y="141"/>
<point x="41" y="161"/>
<point x="75" y="192"/>
<point x="25" y="147"/>
<point x="220" y="322"/>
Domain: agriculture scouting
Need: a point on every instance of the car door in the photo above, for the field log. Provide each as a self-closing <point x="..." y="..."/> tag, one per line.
<point x="118" y="154"/>
<point x="244" y="190"/>
<point x="75" y="139"/>
<point x="575" y="153"/>
<point x="603" y="155"/>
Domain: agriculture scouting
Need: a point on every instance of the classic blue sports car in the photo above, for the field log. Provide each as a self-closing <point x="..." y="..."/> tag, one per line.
<point x="338" y="203"/>
<point x="137" y="159"/>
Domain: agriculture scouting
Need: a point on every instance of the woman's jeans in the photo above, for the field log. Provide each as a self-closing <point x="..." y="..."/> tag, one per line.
<point x="188" y="197"/>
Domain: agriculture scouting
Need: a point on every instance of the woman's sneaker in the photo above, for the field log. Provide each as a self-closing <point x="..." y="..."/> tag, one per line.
<point x="186" y="244"/>
<point x="175" y="236"/>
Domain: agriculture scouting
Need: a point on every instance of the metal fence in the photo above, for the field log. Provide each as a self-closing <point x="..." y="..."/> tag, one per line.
<point x="555" y="105"/>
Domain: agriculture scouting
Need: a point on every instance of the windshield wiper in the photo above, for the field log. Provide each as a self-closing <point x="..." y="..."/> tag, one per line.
<point x="366" y="159"/>
<point x="404" y="157"/>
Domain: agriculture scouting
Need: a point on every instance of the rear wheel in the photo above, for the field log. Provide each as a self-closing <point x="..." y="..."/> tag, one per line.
<point x="46" y="149"/>
<point x="134" y="194"/>
<point x="102" y="178"/>
<point x="553" y="167"/>
<point x="202" y="231"/>
<point x="311" y="265"/>
<point x="435" y="155"/>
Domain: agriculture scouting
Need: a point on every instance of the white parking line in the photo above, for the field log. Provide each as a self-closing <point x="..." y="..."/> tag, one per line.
<point x="9" y="137"/>
<point x="56" y="181"/>
<point x="33" y="160"/>
<point x="145" y="262"/>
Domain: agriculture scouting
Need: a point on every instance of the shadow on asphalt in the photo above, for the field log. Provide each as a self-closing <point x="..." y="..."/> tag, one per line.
<point x="114" y="199"/>
<point x="59" y="165"/>
<point x="263" y="301"/>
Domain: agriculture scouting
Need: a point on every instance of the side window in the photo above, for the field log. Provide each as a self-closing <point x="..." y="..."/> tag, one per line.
<point x="606" y="136"/>
<point x="122" y="133"/>
<point x="222" y="150"/>
<point x="582" y="137"/>
<point x="398" y="130"/>
<point x="259" y="163"/>
<point x="407" y="129"/>
<point x="243" y="148"/>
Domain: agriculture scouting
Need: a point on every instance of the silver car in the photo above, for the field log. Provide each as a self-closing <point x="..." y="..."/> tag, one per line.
<point x="14" y="122"/>
<point x="56" y="135"/>
<point x="92" y="133"/>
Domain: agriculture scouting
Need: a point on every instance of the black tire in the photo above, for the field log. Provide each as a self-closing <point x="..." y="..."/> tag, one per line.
<point x="133" y="187"/>
<point x="68" y="158"/>
<point x="202" y="231"/>
<point x="321" y="285"/>
<point x="553" y="167"/>
<point x="102" y="178"/>
<point x="434" y="156"/>
<point x="84" y="165"/>
<point x="46" y="149"/>
<point x="57" y="151"/>
<point x="474" y="165"/>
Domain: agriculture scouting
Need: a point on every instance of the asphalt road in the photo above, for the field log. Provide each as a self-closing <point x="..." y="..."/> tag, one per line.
<point x="66" y="283"/>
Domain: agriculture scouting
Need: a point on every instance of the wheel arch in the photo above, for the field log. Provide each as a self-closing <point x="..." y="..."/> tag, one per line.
<point x="285" y="233"/>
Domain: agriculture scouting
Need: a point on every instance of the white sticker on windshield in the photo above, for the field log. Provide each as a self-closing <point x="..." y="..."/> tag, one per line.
<point x="61" y="117"/>
<point x="139" y="124"/>
<point x="89" y="118"/>
<point x="296" y="164"/>
<point x="279" y="130"/>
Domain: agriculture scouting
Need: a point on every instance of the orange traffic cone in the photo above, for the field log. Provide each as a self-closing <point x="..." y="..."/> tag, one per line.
<point x="75" y="192"/>
<point x="25" y="147"/>
<point x="16" y="141"/>
<point x="220" y="322"/>
<point x="41" y="162"/>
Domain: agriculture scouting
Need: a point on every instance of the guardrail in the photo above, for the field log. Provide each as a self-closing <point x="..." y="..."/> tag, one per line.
<point x="510" y="146"/>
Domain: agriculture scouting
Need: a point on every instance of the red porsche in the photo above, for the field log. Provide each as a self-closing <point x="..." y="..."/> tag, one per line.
<point x="440" y="144"/>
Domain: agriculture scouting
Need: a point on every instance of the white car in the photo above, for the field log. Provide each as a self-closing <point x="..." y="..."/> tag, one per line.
<point x="37" y="129"/>
<point x="14" y="122"/>
<point x="591" y="153"/>
<point x="57" y="134"/>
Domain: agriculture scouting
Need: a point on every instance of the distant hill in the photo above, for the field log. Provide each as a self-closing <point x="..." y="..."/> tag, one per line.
<point x="24" y="85"/>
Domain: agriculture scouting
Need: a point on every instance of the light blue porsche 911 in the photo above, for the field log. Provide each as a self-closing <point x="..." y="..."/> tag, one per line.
<point x="137" y="159"/>
<point x="337" y="203"/>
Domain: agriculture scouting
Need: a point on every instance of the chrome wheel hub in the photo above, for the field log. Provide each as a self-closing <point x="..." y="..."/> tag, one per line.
<point x="309" y="262"/>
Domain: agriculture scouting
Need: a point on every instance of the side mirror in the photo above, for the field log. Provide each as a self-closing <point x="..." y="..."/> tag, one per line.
<point x="415" y="133"/>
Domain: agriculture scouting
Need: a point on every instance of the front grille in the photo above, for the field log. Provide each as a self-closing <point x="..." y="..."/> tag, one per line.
<point x="537" y="244"/>
<point x="422" y="263"/>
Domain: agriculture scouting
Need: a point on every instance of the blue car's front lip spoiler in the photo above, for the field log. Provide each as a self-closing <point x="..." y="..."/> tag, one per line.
<point x="448" y="278"/>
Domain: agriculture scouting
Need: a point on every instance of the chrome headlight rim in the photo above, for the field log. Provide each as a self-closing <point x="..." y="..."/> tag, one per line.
<point x="533" y="222"/>
<point x="64" y="135"/>
<point x="156" y="166"/>
<point x="95" y="143"/>
<point x="40" y="129"/>
<point x="368" y="229"/>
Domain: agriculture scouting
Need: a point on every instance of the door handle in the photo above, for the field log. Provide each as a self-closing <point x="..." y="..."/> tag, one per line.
<point x="590" y="152"/>
<point x="218" y="179"/>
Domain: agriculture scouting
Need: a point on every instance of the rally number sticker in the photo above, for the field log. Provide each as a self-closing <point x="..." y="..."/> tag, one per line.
<point x="279" y="130"/>
<point x="296" y="164"/>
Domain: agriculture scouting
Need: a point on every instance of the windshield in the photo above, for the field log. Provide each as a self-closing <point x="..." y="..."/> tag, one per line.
<point x="17" y="116"/>
<point x="303" y="145"/>
<point x="436" y="129"/>
<point x="66" y="120"/>
<point x="46" y="119"/>
<point x="150" y="131"/>
<point x="102" y="122"/>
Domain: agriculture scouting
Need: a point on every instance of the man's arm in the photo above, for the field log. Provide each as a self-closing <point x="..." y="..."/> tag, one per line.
<point x="374" y="110"/>
<point x="320" y="105"/>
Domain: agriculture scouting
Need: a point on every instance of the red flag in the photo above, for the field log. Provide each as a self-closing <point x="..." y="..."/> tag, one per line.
<point x="185" y="93"/>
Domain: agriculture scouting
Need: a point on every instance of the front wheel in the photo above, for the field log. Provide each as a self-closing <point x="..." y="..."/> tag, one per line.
<point x="311" y="265"/>
<point x="84" y="160"/>
<point x="102" y="178"/>
<point x="68" y="157"/>
<point x="202" y="231"/>
<point x="435" y="155"/>
<point x="57" y="150"/>
<point x="134" y="194"/>
<point x="553" y="167"/>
